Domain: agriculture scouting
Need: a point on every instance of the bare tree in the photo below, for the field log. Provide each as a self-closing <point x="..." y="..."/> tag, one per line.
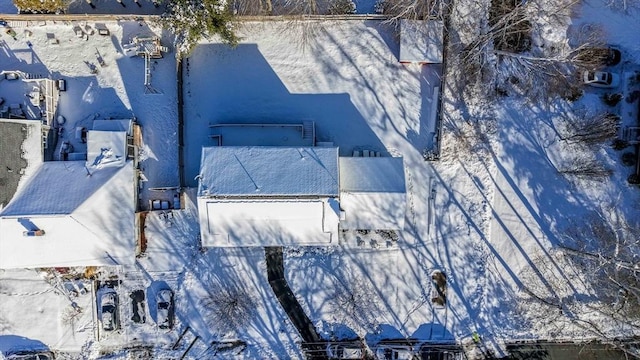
<point x="590" y="129"/>
<point x="513" y="44"/>
<point x="230" y="308"/>
<point x="410" y="9"/>
<point x="355" y="300"/>
<point x="607" y="246"/>
<point x="586" y="167"/>
<point x="592" y="282"/>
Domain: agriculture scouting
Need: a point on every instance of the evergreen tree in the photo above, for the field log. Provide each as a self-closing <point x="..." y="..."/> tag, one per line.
<point x="192" y="20"/>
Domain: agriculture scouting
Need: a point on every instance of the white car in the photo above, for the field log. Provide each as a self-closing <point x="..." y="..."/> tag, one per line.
<point x="601" y="79"/>
<point x="109" y="310"/>
<point x="164" y="301"/>
<point x="394" y="352"/>
<point x="343" y="352"/>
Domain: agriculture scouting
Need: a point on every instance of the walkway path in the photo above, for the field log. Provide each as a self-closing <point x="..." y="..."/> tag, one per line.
<point x="288" y="301"/>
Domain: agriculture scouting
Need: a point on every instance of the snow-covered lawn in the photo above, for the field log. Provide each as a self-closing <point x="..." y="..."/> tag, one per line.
<point x="489" y="215"/>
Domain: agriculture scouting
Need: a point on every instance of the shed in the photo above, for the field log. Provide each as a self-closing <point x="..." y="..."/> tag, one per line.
<point x="421" y="42"/>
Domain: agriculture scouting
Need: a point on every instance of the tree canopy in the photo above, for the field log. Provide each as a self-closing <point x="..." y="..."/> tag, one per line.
<point x="192" y="20"/>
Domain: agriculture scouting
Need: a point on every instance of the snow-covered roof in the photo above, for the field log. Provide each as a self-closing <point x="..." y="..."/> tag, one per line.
<point x="372" y="193"/>
<point x="241" y="223"/>
<point x="421" y="41"/>
<point x="106" y="148"/>
<point x="114" y="125"/>
<point x="87" y="220"/>
<point x="268" y="171"/>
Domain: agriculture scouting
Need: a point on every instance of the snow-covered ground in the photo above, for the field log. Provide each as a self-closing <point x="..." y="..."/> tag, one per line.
<point x="488" y="216"/>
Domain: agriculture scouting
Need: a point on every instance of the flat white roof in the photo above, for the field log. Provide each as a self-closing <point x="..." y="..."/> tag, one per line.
<point x="268" y="171"/>
<point x="106" y="148"/>
<point x="87" y="220"/>
<point x="421" y="41"/>
<point x="372" y="193"/>
<point x="239" y="223"/>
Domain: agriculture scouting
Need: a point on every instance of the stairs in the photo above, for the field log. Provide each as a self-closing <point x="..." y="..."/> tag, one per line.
<point x="30" y="76"/>
<point x="309" y="131"/>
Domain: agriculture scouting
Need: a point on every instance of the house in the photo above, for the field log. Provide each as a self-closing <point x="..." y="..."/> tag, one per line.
<point x="268" y="196"/>
<point x="279" y="196"/>
<point x="421" y="42"/>
<point x="372" y="193"/>
<point x="74" y="213"/>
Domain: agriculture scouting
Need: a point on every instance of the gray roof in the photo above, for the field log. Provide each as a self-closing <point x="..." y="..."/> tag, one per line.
<point x="269" y="171"/>
<point x="12" y="163"/>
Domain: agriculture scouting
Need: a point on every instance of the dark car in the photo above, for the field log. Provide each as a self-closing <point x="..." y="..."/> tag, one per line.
<point x="164" y="301"/>
<point x="137" y="305"/>
<point x="613" y="56"/>
<point x="109" y="310"/>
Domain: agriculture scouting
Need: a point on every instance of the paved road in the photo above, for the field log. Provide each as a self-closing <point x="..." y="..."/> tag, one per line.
<point x="288" y="301"/>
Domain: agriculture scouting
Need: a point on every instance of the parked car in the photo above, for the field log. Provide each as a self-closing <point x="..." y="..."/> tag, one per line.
<point x="165" y="306"/>
<point x="109" y="310"/>
<point x="436" y="354"/>
<point x="601" y="79"/>
<point x="137" y="306"/>
<point x="344" y="351"/>
<point x="29" y="355"/>
<point x="394" y="352"/>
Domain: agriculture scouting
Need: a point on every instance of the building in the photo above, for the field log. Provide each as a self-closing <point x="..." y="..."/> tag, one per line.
<point x="279" y="196"/>
<point x="268" y="196"/>
<point x="74" y="213"/>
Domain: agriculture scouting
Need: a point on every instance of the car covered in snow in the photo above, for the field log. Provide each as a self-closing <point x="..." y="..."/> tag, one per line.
<point x="165" y="308"/>
<point x="345" y="351"/>
<point x="29" y="355"/>
<point x="601" y="79"/>
<point x="394" y="352"/>
<point x="109" y="310"/>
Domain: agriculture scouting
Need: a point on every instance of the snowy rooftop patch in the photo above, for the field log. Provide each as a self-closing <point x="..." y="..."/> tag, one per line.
<point x="86" y="220"/>
<point x="421" y="41"/>
<point x="269" y="171"/>
<point x="372" y="193"/>
<point x="106" y="148"/>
